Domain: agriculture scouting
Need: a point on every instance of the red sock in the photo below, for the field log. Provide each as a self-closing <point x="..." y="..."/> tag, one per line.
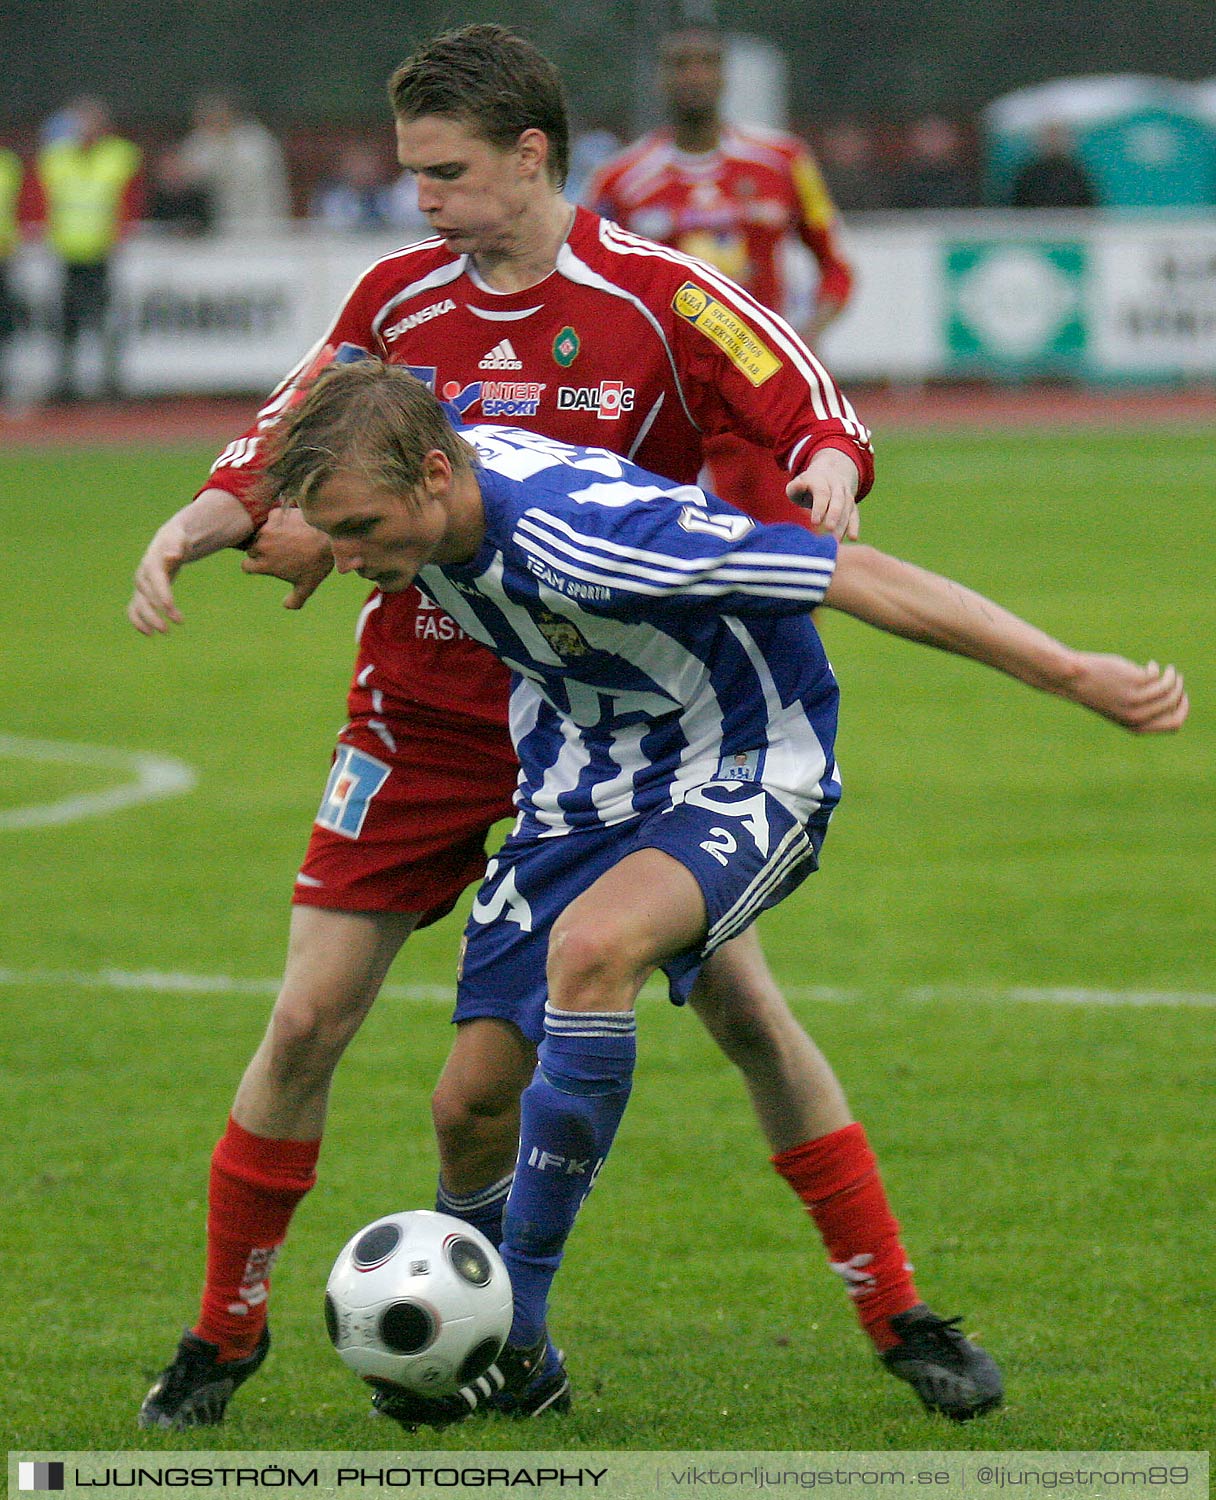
<point x="254" y="1188"/>
<point x="837" y="1179"/>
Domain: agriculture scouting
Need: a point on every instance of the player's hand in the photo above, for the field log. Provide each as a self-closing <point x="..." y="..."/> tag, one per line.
<point x="827" y="487"/>
<point x="213" y="520"/>
<point x="287" y="547"/>
<point x="152" y="608"/>
<point x="1145" y="699"/>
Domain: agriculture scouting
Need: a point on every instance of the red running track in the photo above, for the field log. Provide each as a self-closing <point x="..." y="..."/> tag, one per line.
<point x="216" y="421"/>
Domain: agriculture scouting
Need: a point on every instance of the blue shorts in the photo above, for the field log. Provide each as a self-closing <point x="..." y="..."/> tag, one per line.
<point x="745" y="849"/>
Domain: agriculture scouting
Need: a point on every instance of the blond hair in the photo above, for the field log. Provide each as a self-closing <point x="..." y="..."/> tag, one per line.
<point x="370" y="419"/>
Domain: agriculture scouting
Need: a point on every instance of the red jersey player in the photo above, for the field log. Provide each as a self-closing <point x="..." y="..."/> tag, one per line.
<point x="733" y="195"/>
<point x="519" y="308"/>
<point x="624" y="345"/>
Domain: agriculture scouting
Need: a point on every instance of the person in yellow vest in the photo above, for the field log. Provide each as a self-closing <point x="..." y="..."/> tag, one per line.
<point x="89" y="185"/>
<point x="11" y="176"/>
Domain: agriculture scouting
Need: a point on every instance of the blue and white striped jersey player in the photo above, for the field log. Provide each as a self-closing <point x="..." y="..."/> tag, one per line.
<point x="674" y="714"/>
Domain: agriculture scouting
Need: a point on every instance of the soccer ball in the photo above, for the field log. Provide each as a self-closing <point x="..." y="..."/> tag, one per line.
<point x="419" y="1300"/>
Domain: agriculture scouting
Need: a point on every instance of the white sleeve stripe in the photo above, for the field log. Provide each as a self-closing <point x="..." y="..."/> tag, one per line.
<point x="810" y="592"/>
<point x="731" y="568"/>
<point x="269" y="412"/>
<point x="741" y="148"/>
<point x="541" y="522"/>
<point x="788" y="571"/>
<point x="779" y="330"/>
<point x="826" y="397"/>
<point x="796" y="454"/>
<point x="237" y="454"/>
<point x="272" y="409"/>
<point x="624" y="243"/>
<point x="285" y="384"/>
<point x="440" y="276"/>
<point x="538" y="524"/>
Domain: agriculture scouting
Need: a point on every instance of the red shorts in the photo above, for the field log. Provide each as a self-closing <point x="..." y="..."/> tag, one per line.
<point x="404" y="828"/>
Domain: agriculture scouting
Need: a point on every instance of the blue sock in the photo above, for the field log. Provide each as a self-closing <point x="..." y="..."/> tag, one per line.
<point x="570" y="1112"/>
<point x="483" y="1209"/>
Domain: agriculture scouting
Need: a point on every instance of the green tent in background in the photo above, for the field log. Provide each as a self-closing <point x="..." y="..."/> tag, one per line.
<point x="1145" y="142"/>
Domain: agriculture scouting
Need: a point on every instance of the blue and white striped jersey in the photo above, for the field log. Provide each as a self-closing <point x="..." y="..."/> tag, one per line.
<point x="659" y="638"/>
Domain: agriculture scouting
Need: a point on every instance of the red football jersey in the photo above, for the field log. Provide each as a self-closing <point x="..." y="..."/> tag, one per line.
<point x="732" y="206"/>
<point x="626" y="345"/>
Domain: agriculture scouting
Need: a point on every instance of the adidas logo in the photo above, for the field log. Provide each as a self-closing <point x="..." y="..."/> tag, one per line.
<point x="501" y="357"/>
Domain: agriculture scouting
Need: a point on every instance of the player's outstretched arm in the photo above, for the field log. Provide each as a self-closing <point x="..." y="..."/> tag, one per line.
<point x="906" y="600"/>
<point x="213" y="520"/>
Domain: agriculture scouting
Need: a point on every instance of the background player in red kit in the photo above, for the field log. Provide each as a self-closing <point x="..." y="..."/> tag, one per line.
<point x="522" y="308"/>
<point x="733" y="195"/>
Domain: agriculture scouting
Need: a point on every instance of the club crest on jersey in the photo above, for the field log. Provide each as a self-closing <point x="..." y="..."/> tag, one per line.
<point x="724" y="328"/>
<point x="566" y="346"/>
<point x="501" y="357"/>
<point x="742" y="765"/>
<point x="562" y="634"/>
<point x="607" y="400"/>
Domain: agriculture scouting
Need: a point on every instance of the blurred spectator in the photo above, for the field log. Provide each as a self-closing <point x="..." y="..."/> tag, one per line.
<point x="855" y="174"/>
<point x="58" y="126"/>
<point x="239" y="164"/>
<point x="176" y="202"/>
<point x="11" y="175"/>
<point x="589" y="150"/>
<point x="404" y="214"/>
<point x="934" y="173"/>
<point x="733" y="196"/>
<point x="359" y="195"/>
<point x="88" y="194"/>
<point x="1053" y="177"/>
<point x="727" y="193"/>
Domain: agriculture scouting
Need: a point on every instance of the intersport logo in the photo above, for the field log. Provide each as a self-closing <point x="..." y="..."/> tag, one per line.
<point x="511" y="398"/>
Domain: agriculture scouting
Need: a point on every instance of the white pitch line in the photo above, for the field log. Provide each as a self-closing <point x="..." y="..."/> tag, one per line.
<point x="174" y="983"/>
<point x="170" y="983"/>
<point x="1060" y="995"/>
<point x="997" y="995"/>
<point x="155" y="777"/>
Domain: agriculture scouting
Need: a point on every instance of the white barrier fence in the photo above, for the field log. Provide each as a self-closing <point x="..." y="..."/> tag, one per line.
<point x="1000" y="294"/>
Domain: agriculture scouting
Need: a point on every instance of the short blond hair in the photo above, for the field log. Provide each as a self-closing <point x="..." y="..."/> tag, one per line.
<point x="370" y="419"/>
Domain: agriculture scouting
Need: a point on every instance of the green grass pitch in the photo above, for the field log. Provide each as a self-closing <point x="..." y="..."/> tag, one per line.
<point x="1050" y="1161"/>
